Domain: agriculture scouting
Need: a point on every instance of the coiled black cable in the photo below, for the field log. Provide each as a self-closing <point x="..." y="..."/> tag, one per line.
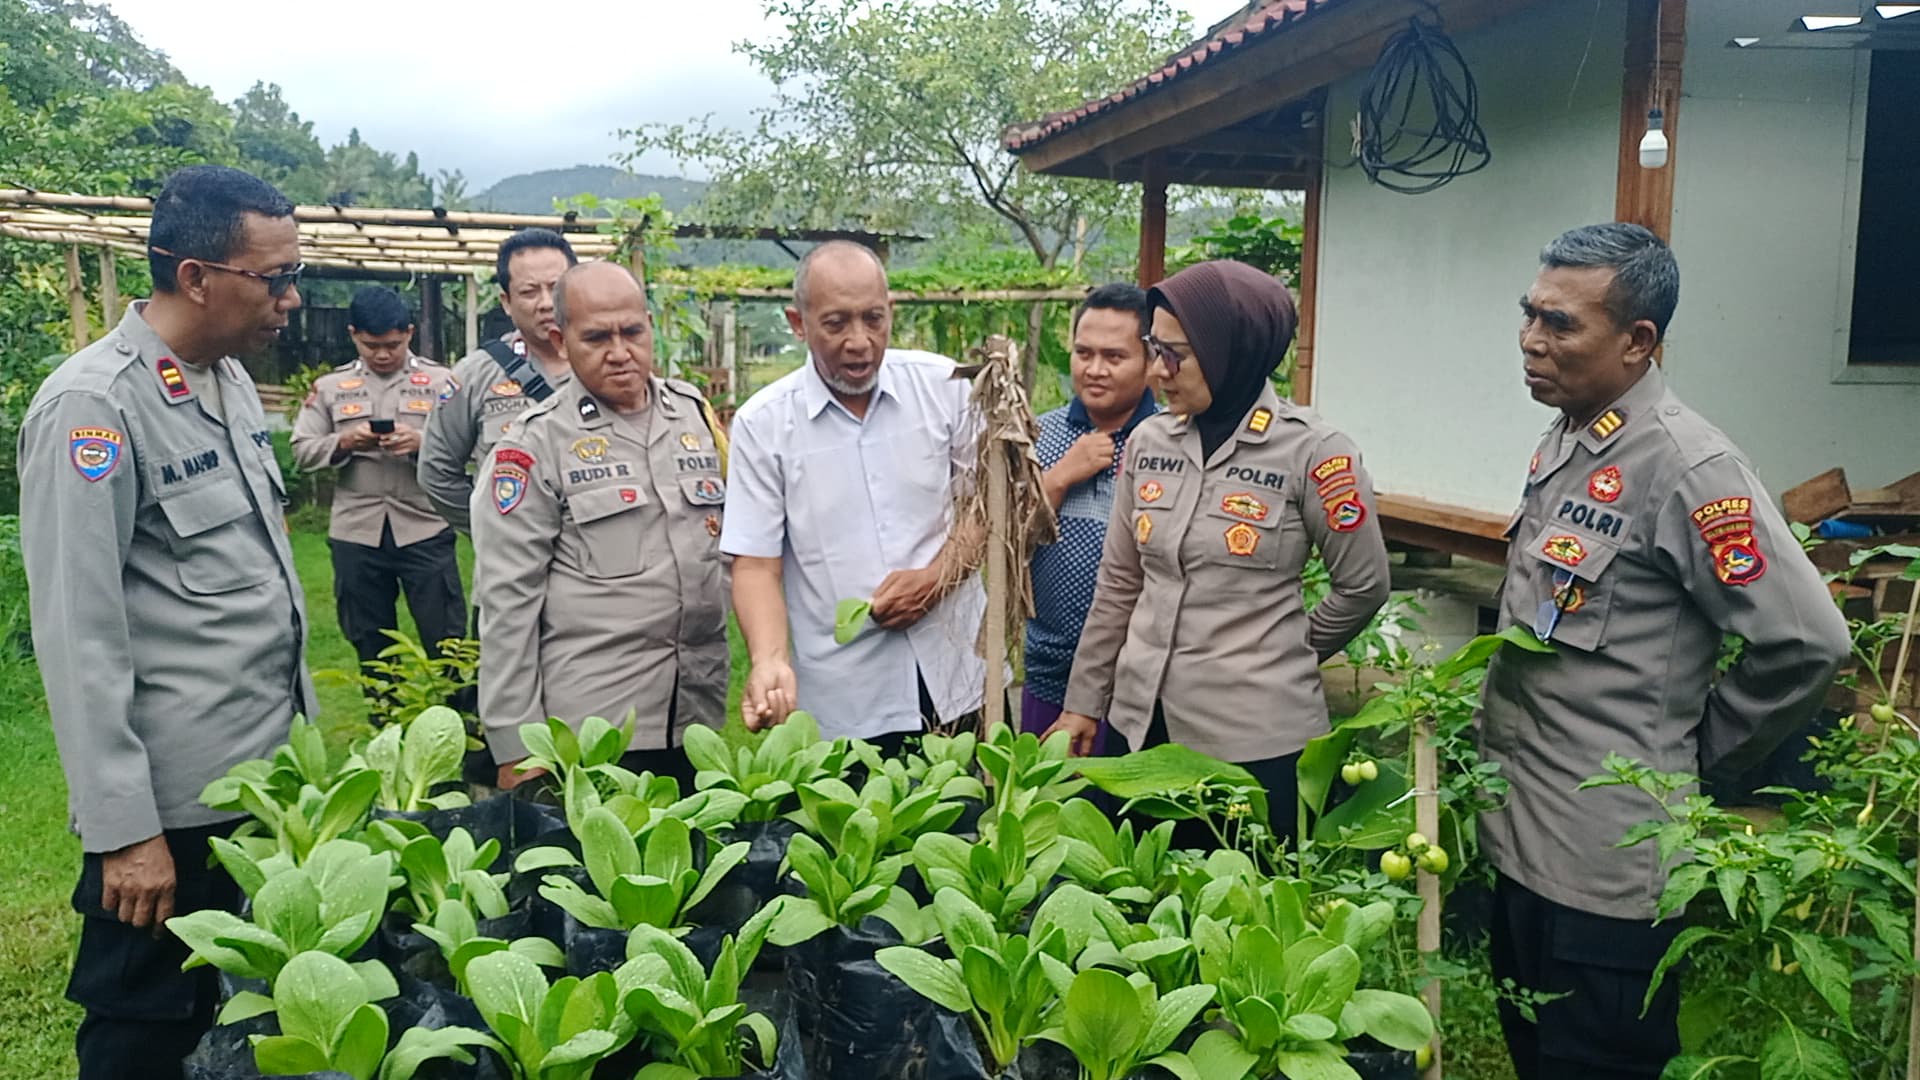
<point x="1420" y="79"/>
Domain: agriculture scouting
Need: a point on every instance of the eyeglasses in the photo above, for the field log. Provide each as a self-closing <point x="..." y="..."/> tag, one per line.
<point x="277" y="284"/>
<point x="1167" y="352"/>
<point x="1566" y="595"/>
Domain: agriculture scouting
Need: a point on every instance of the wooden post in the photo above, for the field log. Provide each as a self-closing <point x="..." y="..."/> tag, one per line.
<point x="431" y="318"/>
<point x="999" y="580"/>
<point x="1036" y="329"/>
<point x="637" y="255"/>
<point x="77" y="299"/>
<point x="109" y="290"/>
<point x="1153" y="219"/>
<point x="473" y="315"/>
<point x="1309" y="286"/>
<point x="1656" y="44"/>
<point x="730" y="348"/>
<point x="1426" y="820"/>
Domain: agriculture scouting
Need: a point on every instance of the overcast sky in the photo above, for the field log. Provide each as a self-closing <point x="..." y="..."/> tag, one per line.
<point x="460" y="81"/>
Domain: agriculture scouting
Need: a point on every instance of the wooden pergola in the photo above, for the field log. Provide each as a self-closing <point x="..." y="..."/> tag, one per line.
<point x="369" y="243"/>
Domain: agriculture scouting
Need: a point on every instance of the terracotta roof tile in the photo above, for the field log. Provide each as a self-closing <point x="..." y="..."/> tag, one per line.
<point x="1277" y="16"/>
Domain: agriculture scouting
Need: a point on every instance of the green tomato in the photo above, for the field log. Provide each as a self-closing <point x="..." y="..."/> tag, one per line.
<point x="1882" y="712"/>
<point x="1416" y="843"/>
<point x="1434" y="860"/>
<point x="1350" y="772"/>
<point x="1395" y="865"/>
<point x="1369" y="771"/>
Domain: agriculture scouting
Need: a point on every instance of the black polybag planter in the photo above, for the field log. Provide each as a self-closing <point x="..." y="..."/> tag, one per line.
<point x="1383" y="1064"/>
<point x="859" y="1021"/>
<point x="407" y="952"/>
<point x="591" y="949"/>
<point x="759" y="873"/>
<point x="513" y="822"/>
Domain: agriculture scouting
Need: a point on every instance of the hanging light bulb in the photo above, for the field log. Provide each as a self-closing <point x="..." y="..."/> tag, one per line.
<point x="1653" y="145"/>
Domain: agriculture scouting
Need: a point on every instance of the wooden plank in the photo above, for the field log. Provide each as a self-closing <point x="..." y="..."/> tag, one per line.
<point x="1153" y="221"/>
<point x="472" y="313"/>
<point x="109" y="290"/>
<point x="1656" y="45"/>
<point x="1418" y="522"/>
<point x="1303" y="355"/>
<point x="1819" y="498"/>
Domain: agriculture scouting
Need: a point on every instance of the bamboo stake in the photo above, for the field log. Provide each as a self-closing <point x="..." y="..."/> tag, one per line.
<point x="109" y="289"/>
<point x="998" y="577"/>
<point x="77" y="299"/>
<point x="473" y="315"/>
<point x="1426" y="819"/>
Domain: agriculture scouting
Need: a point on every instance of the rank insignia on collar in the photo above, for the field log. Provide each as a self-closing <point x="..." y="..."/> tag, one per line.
<point x="509" y="486"/>
<point x="1243" y="505"/>
<point x="1242" y="539"/>
<point x="95" y="451"/>
<point x="591" y="449"/>
<point x="1346" y="514"/>
<point x="1606" y="485"/>
<point x="1257" y="423"/>
<point x="713" y="525"/>
<point x="1143" y="530"/>
<point x="176" y="383"/>
<point x="689" y="441"/>
<point x="1607" y="423"/>
<point x="1564" y="549"/>
<point x="589" y="410"/>
<point x="420" y="378"/>
<point x="1151" y="491"/>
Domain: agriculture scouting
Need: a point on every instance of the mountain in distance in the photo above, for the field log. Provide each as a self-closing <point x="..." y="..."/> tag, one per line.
<point x="535" y="192"/>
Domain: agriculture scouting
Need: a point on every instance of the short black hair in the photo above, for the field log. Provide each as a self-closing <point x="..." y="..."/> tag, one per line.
<point x="199" y="215"/>
<point x="1116" y="296"/>
<point x="376" y="310"/>
<point x="1646" y="279"/>
<point x="530" y="240"/>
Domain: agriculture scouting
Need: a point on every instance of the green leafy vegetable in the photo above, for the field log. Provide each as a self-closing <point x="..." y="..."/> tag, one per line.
<point x="850" y="619"/>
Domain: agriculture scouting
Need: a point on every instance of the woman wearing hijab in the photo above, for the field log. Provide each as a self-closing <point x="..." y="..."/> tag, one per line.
<point x="1199" y="634"/>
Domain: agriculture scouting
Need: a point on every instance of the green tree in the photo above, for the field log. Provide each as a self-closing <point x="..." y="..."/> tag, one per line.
<point x="890" y="114"/>
<point x="274" y="142"/>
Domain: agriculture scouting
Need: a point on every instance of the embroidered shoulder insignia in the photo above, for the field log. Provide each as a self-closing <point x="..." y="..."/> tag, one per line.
<point x="509" y="486"/>
<point x="447" y="394"/>
<point x="1607" y="423"/>
<point x="1332" y="467"/>
<point x="514" y="456"/>
<point x="1726" y="526"/>
<point x="1258" y="422"/>
<point x="95" y="451"/>
<point x="170" y="375"/>
<point x="1347" y="514"/>
<point x="1606" y="485"/>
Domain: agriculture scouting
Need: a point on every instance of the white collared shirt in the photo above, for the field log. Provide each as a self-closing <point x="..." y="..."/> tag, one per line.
<point x="843" y="503"/>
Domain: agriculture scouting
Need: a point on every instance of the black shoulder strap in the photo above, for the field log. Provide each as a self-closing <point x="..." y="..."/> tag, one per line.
<point x="532" y="383"/>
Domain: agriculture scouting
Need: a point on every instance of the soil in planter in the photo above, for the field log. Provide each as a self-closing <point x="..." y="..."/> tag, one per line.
<point x="407" y="952"/>
<point x="860" y="1022"/>
<point x="511" y="821"/>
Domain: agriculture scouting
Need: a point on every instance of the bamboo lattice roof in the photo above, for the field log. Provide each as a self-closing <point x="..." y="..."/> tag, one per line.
<point x="360" y="238"/>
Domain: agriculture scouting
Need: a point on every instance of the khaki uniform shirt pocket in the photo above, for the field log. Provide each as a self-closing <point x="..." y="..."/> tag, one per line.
<point x="609" y="531"/>
<point x="1238" y="527"/>
<point x="706" y="498"/>
<point x="210" y="553"/>
<point x="1567" y="587"/>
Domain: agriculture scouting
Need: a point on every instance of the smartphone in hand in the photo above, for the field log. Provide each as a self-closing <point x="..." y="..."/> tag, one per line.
<point x="382" y="427"/>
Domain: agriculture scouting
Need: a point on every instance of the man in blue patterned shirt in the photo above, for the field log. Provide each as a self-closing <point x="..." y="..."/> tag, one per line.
<point x="1081" y="446"/>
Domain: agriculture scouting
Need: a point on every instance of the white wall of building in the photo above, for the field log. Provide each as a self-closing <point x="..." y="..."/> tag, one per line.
<point x="1764" y="220"/>
<point x="1416" y="349"/>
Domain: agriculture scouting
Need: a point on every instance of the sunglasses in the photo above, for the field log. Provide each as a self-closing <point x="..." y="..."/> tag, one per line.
<point x="1167" y="352"/>
<point x="277" y="284"/>
<point x="1547" y="619"/>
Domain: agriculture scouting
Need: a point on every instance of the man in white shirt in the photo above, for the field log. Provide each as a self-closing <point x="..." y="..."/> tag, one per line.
<point x="841" y="487"/>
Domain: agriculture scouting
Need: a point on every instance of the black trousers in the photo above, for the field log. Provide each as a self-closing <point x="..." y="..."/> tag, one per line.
<point x="367" y="583"/>
<point x="143" y="1013"/>
<point x="1278" y="775"/>
<point x="1603" y="966"/>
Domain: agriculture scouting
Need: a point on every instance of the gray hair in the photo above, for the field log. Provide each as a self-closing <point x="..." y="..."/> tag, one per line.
<point x="560" y="288"/>
<point x="805" y="269"/>
<point x="1646" y="279"/>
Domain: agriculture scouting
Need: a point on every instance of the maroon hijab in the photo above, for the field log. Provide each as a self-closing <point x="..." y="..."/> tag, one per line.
<point x="1239" y="321"/>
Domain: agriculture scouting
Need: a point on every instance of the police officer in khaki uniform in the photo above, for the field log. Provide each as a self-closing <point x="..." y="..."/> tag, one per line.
<point x="493" y="385"/>
<point x="1198" y="632"/>
<point x="596" y="532"/>
<point x="167" y="615"/>
<point x="364" y="419"/>
<point x="1642" y="539"/>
